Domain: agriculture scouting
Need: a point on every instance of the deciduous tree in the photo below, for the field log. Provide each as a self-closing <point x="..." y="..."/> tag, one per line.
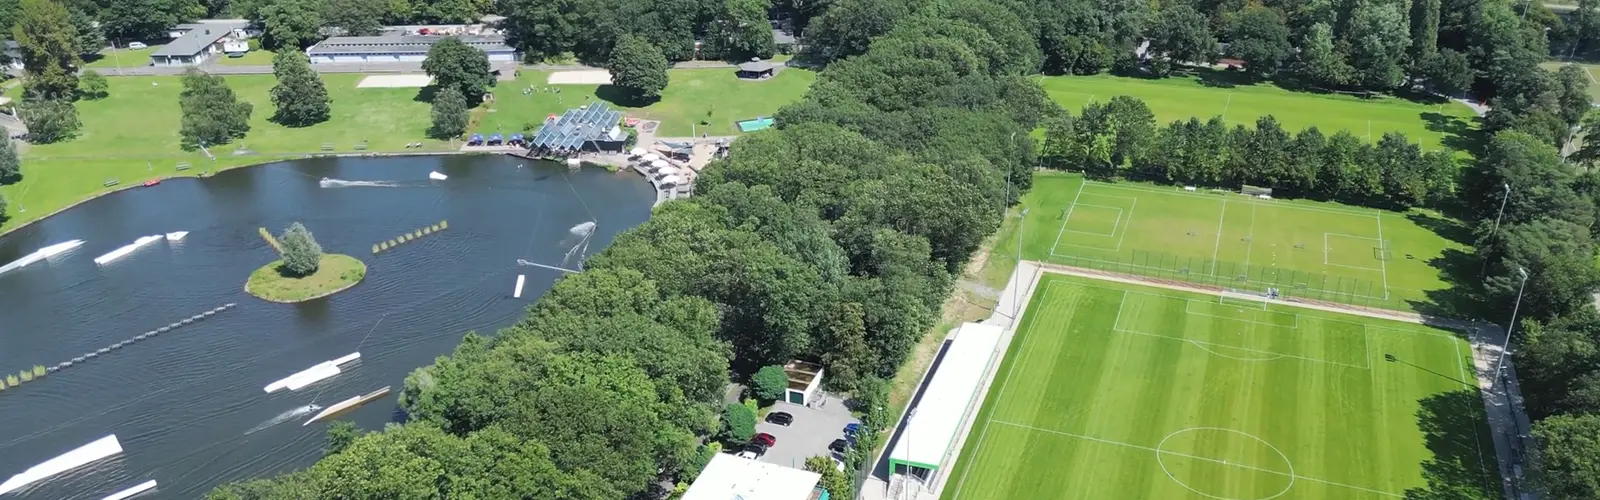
<point x="132" y="20"/>
<point x="1261" y="39"/>
<point x="49" y="45"/>
<point x="638" y="67"/>
<point x="93" y="85"/>
<point x="738" y="423"/>
<point x="340" y="434"/>
<point x="49" y="120"/>
<point x="740" y="30"/>
<point x="212" y="113"/>
<point x="301" y="253"/>
<point x="1569" y="465"/>
<point x="848" y="26"/>
<point x="450" y="114"/>
<point x="1448" y="72"/>
<point x="291" y="24"/>
<point x="770" y="383"/>
<point x="1181" y="35"/>
<point x="10" y="164"/>
<point x="456" y="65"/>
<point x="300" y="97"/>
<point x="1319" y="63"/>
<point x="90" y="36"/>
<point x="356" y="17"/>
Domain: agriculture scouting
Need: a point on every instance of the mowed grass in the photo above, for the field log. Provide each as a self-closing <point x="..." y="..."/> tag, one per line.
<point x="692" y="96"/>
<point x="1434" y="126"/>
<point x="132" y="135"/>
<point x="1594" y="81"/>
<point x="1118" y="391"/>
<point x="121" y="57"/>
<point x="1306" y="249"/>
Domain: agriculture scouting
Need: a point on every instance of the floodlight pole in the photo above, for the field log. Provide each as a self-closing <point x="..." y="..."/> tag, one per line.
<point x="1496" y="231"/>
<point x="1506" y="347"/>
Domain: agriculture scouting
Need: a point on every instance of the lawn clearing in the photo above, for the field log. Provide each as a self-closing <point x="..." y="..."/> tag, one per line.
<point x="1120" y="391"/>
<point x="696" y="101"/>
<point x="1305" y="249"/>
<point x="1436" y="126"/>
<point x="120" y="57"/>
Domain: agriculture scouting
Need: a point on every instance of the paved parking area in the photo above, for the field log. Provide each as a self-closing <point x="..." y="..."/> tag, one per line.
<point x="813" y="429"/>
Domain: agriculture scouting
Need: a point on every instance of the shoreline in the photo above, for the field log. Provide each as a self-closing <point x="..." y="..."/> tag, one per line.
<point x="140" y="183"/>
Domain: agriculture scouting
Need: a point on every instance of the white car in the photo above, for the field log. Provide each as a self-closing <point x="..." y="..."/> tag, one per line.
<point x="138" y="45"/>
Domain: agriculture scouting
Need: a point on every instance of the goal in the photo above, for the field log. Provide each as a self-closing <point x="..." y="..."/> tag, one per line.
<point x="1239" y="297"/>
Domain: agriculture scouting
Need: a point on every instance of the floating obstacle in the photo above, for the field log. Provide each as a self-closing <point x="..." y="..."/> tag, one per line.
<point x="409" y="237"/>
<point x="517" y="294"/>
<point x="42" y="254"/>
<point x="437" y="176"/>
<point x="267" y="235"/>
<point x="319" y="372"/>
<point x="125" y="250"/>
<point x="177" y="236"/>
<point x="347" y="405"/>
<point x="40" y="371"/>
<point x="79" y="457"/>
<point x="130" y="492"/>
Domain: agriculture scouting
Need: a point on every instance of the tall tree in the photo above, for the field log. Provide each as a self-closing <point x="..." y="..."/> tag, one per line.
<point x="1569" y="463"/>
<point x="1378" y="40"/>
<point x="449" y="114"/>
<point x="301" y="253"/>
<point x="740" y="30"/>
<point x="1181" y="35"/>
<point x="1320" y="63"/>
<point x="90" y="37"/>
<point x="300" y="97"/>
<point x="1261" y="39"/>
<point x="848" y="26"/>
<point x="738" y="422"/>
<point x="638" y="67"/>
<point x="212" y="113"/>
<point x="770" y="382"/>
<point x="132" y="20"/>
<point x="356" y="17"/>
<point x="292" y="24"/>
<point x="2" y="207"/>
<point x="49" y="46"/>
<point x="1573" y="98"/>
<point x="1424" y="34"/>
<point x="1448" y="72"/>
<point x="455" y="65"/>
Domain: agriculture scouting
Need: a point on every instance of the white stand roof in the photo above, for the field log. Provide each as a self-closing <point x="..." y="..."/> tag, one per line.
<point x="728" y="477"/>
<point x="937" y="418"/>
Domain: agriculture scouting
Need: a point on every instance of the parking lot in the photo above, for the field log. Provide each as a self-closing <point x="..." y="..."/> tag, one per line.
<point x="813" y="429"/>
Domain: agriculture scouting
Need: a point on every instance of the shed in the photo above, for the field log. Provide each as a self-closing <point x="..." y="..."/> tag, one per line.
<point x="805" y="381"/>
<point x="756" y="69"/>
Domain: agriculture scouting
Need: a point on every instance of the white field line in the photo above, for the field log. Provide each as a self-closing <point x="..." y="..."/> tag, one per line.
<point x="1251" y="235"/>
<point x="1225" y="105"/>
<point x="1127" y="265"/>
<point x="1130" y="223"/>
<point x="1246" y="349"/>
<point x="1203" y="459"/>
<point x="1066" y="218"/>
<point x="1114" y="222"/>
<point x="1477" y="437"/>
<point x="1217" y="247"/>
<point x="1383" y="266"/>
<point x="1286" y="203"/>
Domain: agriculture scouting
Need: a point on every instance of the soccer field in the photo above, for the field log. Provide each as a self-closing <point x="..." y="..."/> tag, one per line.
<point x="1180" y="98"/>
<point x="1127" y="392"/>
<point x="1305" y="249"/>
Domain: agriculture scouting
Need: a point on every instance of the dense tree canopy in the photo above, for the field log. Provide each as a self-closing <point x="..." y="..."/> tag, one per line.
<point x="48" y="43"/>
<point x="300" y="97"/>
<point x="212" y="113"/>
<point x="455" y="65"/>
<point x="450" y="114"/>
<point x="638" y="67"/>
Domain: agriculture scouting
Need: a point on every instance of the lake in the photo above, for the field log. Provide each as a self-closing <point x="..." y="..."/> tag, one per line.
<point x="188" y="405"/>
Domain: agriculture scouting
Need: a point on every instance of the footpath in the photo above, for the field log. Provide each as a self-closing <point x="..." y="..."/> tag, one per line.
<point x="1508" y="423"/>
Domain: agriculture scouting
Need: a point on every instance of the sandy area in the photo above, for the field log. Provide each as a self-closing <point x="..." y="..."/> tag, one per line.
<point x="590" y="77"/>
<point x="395" y="81"/>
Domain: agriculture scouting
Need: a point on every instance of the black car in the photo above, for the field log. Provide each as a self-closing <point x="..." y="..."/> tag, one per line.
<point x="839" y="446"/>
<point x="756" y="449"/>
<point x="780" y="418"/>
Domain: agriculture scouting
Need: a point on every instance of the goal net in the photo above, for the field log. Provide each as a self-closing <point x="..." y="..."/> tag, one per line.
<point x="1257" y="191"/>
<point x="1247" y="298"/>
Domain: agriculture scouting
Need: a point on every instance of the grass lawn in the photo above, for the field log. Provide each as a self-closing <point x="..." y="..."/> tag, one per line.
<point x="1119" y="391"/>
<point x="335" y="274"/>
<point x="692" y="96"/>
<point x="257" y="57"/>
<point x="1179" y="98"/>
<point x="125" y="57"/>
<point x="1594" y="81"/>
<point x="1304" y="248"/>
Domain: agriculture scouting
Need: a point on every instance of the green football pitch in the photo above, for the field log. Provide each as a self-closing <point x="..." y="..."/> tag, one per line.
<point x="1181" y="98"/>
<point x="1303" y="249"/>
<point x="1128" y="392"/>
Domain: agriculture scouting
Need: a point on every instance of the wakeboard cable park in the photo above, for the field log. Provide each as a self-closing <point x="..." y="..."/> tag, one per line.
<point x="317" y="373"/>
<point x="42" y="254"/>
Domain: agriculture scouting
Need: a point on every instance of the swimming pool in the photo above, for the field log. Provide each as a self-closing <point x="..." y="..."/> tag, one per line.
<point x="755" y="124"/>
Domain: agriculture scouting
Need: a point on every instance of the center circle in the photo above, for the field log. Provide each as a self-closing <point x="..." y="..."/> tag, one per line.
<point x="1162" y="453"/>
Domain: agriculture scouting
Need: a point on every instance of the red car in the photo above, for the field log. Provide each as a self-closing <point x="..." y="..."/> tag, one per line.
<point x="764" y="439"/>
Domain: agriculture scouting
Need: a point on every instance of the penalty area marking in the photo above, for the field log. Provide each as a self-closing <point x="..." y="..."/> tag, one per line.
<point x="1276" y="356"/>
<point x="1157" y="450"/>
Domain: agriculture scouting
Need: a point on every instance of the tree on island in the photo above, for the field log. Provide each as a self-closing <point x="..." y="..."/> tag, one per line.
<point x="449" y="114"/>
<point x="93" y="85"/>
<point x="638" y="67"/>
<point x="455" y="65"/>
<point x="212" y="113"/>
<point x="300" y="96"/>
<point x="10" y="164"/>
<point x="49" y="120"/>
<point x="301" y="253"/>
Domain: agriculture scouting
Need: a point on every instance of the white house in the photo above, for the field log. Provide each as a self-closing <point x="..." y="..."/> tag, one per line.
<point x="197" y="42"/>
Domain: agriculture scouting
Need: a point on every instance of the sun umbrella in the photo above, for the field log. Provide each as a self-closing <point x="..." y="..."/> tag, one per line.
<point x="650" y="157"/>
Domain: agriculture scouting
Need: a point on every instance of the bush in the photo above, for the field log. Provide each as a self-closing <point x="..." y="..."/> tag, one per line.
<point x="770" y="383"/>
<point x="738" y="423"/>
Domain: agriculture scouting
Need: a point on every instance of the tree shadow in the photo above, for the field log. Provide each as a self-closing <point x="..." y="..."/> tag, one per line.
<point x="1450" y="229"/>
<point x="1463" y="297"/>
<point x="1222" y="79"/>
<point x="426" y="94"/>
<point x="621" y="96"/>
<point x="1454" y="428"/>
<point x="1461" y="134"/>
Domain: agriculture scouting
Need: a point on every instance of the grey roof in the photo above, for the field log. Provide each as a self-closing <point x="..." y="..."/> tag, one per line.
<point x="387" y="44"/>
<point x="577" y="126"/>
<point x="198" y="38"/>
<point x="755" y="66"/>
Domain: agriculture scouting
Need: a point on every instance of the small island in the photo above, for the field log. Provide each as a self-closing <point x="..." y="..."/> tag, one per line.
<point x="304" y="273"/>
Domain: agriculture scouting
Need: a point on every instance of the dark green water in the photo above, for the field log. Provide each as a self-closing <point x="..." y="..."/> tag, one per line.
<point x="188" y="405"/>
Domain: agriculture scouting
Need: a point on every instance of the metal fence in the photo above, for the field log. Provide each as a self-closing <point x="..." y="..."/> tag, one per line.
<point x="1221" y="275"/>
